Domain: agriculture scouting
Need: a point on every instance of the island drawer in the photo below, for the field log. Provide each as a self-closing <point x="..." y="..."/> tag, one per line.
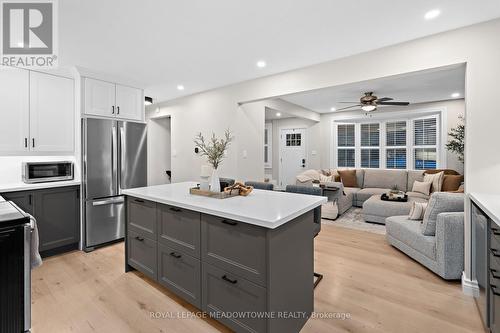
<point x="224" y="292"/>
<point x="141" y="217"/>
<point x="180" y="273"/>
<point x="180" y="229"/>
<point x="142" y="254"/>
<point x="235" y="246"/>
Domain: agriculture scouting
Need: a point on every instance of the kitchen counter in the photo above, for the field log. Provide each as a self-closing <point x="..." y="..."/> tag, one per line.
<point x="14" y="187"/>
<point x="268" y="209"/>
<point x="489" y="203"/>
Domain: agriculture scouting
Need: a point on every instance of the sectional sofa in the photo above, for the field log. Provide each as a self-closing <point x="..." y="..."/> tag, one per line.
<point x="371" y="183"/>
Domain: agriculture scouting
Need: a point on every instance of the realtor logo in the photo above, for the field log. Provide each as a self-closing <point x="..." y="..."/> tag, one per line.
<point x="28" y="34"/>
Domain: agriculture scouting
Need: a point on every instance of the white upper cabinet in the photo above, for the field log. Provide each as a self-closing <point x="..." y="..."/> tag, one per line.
<point x="14" y="110"/>
<point x="129" y="102"/>
<point x="99" y="98"/>
<point x="106" y="99"/>
<point x="51" y="113"/>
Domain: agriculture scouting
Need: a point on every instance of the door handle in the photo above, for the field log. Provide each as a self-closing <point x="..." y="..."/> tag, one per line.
<point x="139" y="200"/>
<point x="108" y="201"/>
<point x="493" y="271"/>
<point x="493" y="290"/>
<point x="495" y="252"/>
<point x="224" y="277"/>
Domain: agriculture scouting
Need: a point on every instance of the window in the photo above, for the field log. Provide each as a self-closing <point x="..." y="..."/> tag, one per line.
<point x="395" y="141"/>
<point x="412" y="143"/>
<point x="346" y="140"/>
<point x="293" y="139"/>
<point x="425" y="143"/>
<point x="268" y="145"/>
<point x="370" y="142"/>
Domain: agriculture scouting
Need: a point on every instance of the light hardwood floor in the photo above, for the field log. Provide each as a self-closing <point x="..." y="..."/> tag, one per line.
<point x="380" y="288"/>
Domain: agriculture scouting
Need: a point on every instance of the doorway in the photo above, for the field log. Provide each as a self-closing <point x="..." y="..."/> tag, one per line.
<point x="159" y="151"/>
<point x="292" y="159"/>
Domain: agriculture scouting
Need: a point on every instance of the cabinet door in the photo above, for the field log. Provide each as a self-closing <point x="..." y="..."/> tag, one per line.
<point x="129" y="103"/>
<point x="14" y="110"/>
<point x="52" y="110"/>
<point x="23" y="199"/>
<point x="99" y="98"/>
<point x="57" y="212"/>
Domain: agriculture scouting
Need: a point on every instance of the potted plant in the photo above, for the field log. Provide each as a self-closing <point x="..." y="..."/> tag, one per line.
<point x="213" y="149"/>
<point x="457" y="143"/>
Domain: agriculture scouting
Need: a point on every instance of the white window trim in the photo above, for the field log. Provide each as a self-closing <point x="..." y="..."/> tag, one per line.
<point x="383" y="118"/>
<point x="379" y="147"/>
<point x="269" y="127"/>
<point x="356" y="142"/>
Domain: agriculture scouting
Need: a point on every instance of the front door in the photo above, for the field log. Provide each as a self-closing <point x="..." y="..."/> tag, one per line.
<point x="292" y="155"/>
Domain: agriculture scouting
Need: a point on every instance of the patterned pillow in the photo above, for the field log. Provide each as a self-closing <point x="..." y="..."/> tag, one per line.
<point x="436" y="179"/>
<point x="417" y="211"/>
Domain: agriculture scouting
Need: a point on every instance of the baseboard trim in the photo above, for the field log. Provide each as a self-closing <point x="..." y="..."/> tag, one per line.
<point x="469" y="287"/>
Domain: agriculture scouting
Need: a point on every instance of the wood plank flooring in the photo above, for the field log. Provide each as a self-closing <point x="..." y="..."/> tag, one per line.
<point x="378" y="287"/>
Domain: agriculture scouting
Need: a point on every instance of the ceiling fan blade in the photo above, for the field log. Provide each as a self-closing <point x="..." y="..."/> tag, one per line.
<point x="393" y="103"/>
<point x="349" y="107"/>
<point x="384" y="99"/>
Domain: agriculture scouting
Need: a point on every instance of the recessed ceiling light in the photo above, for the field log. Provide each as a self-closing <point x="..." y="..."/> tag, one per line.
<point x="278" y="114"/>
<point x="455" y="95"/>
<point x="261" y="64"/>
<point x="333" y="109"/>
<point x="180" y="87"/>
<point x="432" y="14"/>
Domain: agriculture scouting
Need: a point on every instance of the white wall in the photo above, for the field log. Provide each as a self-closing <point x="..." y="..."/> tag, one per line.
<point x="477" y="46"/>
<point x="158" y="150"/>
<point x="451" y="109"/>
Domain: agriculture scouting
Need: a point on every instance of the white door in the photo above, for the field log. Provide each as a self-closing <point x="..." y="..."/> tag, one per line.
<point x="14" y="110"/>
<point x="99" y="98"/>
<point x="129" y="103"/>
<point x="292" y="155"/>
<point x="52" y="112"/>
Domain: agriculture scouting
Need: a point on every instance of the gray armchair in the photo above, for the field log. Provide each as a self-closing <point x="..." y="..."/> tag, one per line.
<point x="317" y="213"/>
<point x="437" y="242"/>
<point x="260" y="185"/>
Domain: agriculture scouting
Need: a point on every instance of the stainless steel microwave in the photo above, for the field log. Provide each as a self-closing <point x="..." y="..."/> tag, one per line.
<point x="40" y="172"/>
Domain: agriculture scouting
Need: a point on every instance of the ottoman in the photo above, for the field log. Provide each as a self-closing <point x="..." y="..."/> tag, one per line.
<point x="377" y="210"/>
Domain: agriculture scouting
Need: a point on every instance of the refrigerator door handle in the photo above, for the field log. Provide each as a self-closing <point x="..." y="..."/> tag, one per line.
<point x="122" y="161"/>
<point x="114" y="166"/>
<point x="108" y="201"/>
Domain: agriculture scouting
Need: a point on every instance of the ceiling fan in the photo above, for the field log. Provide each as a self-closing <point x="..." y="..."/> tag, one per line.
<point x="369" y="102"/>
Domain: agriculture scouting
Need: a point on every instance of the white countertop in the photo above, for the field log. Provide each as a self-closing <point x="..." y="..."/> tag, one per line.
<point x="1" y="199"/>
<point x="268" y="209"/>
<point x="13" y="187"/>
<point x="489" y="203"/>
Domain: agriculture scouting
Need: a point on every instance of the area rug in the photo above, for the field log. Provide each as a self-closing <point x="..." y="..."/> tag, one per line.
<point x="353" y="219"/>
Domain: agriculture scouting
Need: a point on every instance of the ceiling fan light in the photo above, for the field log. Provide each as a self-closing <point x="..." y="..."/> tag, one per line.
<point x="368" y="108"/>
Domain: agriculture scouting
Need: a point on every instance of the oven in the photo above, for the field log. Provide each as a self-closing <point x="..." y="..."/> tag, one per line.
<point x="40" y="172"/>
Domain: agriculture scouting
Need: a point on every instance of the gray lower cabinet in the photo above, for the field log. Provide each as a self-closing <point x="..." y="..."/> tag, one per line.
<point x="225" y="292"/>
<point x="181" y="273"/>
<point x="226" y="267"/>
<point x="57" y="212"/>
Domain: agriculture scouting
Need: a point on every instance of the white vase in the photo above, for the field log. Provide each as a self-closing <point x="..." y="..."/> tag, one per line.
<point x="215" y="181"/>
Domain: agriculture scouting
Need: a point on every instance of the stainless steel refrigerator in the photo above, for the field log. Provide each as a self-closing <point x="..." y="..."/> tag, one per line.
<point x="114" y="158"/>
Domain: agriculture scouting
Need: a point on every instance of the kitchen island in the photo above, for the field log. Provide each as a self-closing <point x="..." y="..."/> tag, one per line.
<point x="246" y="261"/>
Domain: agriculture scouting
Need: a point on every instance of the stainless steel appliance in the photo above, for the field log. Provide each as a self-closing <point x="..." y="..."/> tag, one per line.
<point x="15" y="269"/>
<point x="114" y="158"/>
<point x="40" y="172"/>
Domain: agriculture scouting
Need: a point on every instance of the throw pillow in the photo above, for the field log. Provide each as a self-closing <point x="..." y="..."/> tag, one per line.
<point x="325" y="179"/>
<point x="451" y="183"/>
<point x="417" y="211"/>
<point x="422" y="187"/>
<point x="436" y="179"/>
<point x="326" y="172"/>
<point x="348" y="178"/>
<point x="441" y="202"/>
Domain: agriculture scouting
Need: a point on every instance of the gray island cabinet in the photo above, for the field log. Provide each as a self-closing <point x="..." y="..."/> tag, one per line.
<point x="247" y="263"/>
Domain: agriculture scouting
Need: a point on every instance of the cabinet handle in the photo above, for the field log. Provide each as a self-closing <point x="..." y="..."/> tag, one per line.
<point x="25" y="142"/>
<point x="139" y="200"/>
<point x="495" y="231"/>
<point x="493" y="290"/>
<point x="113" y="109"/>
<point x="224" y="277"/>
<point x="175" y="209"/>
<point x="29" y="199"/>
<point x="229" y="222"/>
<point x="495" y="252"/>
<point x="493" y="271"/>
<point x="140" y="239"/>
<point x="33" y="142"/>
<point x="117" y="110"/>
<point x="175" y="255"/>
